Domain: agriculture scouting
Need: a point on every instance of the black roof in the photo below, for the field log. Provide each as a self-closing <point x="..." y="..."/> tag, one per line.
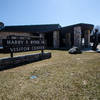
<point x="84" y="26"/>
<point x="70" y="28"/>
<point x="32" y="28"/>
<point x="45" y="28"/>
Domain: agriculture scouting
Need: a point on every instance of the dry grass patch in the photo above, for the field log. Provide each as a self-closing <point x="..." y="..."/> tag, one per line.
<point x="18" y="54"/>
<point x="62" y="77"/>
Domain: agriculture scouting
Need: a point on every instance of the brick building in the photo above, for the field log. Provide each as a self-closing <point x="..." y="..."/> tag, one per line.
<point x="54" y="35"/>
<point x="49" y="32"/>
<point x="76" y="35"/>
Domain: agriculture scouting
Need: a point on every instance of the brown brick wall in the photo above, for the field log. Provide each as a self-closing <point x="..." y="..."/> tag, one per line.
<point x="3" y="35"/>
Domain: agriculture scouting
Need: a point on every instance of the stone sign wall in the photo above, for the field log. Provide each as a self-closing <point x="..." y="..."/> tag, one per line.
<point x="20" y="44"/>
<point x="6" y="63"/>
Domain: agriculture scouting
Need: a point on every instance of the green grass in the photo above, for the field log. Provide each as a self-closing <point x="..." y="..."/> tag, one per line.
<point x="62" y="77"/>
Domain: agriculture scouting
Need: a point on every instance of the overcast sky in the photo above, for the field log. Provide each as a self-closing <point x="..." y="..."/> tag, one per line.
<point x="64" y="12"/>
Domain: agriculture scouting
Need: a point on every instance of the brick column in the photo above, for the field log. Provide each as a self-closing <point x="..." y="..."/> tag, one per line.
<point x="41" y="35"/>
<point x="87" y="38"/>
<point x="77" y="36"/>
<point x="56" y="39"/>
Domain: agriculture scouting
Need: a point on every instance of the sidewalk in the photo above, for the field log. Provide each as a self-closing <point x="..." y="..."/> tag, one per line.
<point x="90" y="49"/>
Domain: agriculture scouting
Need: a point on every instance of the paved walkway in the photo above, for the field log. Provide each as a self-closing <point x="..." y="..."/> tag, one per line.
<point x="90" y="50"/>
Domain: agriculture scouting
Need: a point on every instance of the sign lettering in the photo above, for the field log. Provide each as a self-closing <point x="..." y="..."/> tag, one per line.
<point x="20" y="45"/>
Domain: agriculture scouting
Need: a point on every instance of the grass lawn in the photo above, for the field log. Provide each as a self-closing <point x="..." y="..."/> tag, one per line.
<point x="62" y="77"/>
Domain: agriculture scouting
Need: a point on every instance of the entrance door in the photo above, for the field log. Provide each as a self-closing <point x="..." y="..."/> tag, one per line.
<point x="49" y="39"/>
